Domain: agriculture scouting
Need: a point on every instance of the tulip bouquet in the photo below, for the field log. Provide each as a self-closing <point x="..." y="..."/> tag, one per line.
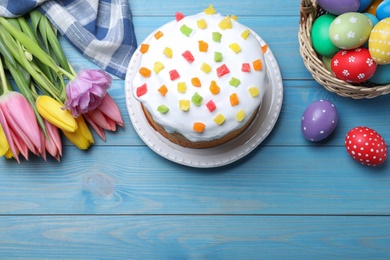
<point x="48" y="97"/>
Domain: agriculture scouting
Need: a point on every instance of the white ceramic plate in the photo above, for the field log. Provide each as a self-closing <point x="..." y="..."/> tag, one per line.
<point x="221" y="155"/>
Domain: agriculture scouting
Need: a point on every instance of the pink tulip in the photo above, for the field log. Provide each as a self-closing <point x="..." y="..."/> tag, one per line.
<point x="86" y="91"/>
<point x="105" y="117"/>
<point x="52" y="141"/>
<point x="20" y="125"/>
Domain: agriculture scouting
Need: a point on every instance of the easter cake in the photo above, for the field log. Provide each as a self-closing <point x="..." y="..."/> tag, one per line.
<point x="200" y="79"/>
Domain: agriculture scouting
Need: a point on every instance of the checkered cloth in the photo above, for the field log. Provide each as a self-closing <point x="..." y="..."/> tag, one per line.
<point x="102" y="30"/>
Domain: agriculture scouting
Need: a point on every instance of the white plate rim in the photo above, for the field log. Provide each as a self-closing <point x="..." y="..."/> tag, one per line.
<point x="223" y="154"/>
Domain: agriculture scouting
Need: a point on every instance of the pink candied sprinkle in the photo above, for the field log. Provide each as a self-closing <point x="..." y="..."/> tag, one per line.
<point x="142" y="90"/>
<point x="179" y="16"/>
<point x="174" y="74"/>
<point x="246" y="67"/>
<point x="222" y="70"/>
<point x="211" y="106"/>
<point x="188" y="56"/>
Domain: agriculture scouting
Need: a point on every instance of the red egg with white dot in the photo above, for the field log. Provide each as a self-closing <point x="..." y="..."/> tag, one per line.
<point x="366" y="146"/>
<point x="353" y="66"/>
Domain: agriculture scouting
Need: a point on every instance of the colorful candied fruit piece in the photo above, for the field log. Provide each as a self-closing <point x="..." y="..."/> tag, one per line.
<point x="158" y="66"/>
<point x="219" y="119"/>
<point x="196" y="82"/>
<point x="257" y="65"/>
<point x="142" y="90"/>
<point x="217" y="56"/>
<point x="179" y="16"/>
<point x="198" y="127"/>
<point x="210" y="10"/>
<point x="163" y="109"/>
<point x="202" y="24"/>
<point x="225" y="23"/>
<point x="158" y="35"/>
<point x="246" y="67"/>
<point x="264" y="48"/>
<point x="234" y="17"/>
<point x="245" y="34"/>
<point x="186" y="30"/>
<point x="235" y="47"/>
<point x="144" y="48"/>
<point x="168" y="52"/>
<point x="254" y="91"/>
<point x="240" y="115"/>
<point x="234" y="82"/>
<point x="163" y="90"/>
<point x="217" y="36"/>
<point x="211" y="106"/>
<point x="206" y="68"/>
<point x="203" y="46"/>
<point x="214" y="88"/>
<point x="197" y="99"/>
<point x="145" y="72"/>
<point x="174" y="75"/>
<point x="182" y="87"/>
<point x="184" y="105"/>
<point x="234" y="100"/>
<point x="222" y="70"/>
<point x="188" y="56"/>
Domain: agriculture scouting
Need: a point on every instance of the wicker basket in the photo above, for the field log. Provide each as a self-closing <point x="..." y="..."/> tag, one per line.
<point x="309" y="11"/>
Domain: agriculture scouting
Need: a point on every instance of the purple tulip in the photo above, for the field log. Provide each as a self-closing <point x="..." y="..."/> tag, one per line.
<point x="86" y="91"/>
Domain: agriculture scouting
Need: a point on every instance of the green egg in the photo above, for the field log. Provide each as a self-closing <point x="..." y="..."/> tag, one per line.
<point x="322" y="44"/>
<point x="327" y="61"/>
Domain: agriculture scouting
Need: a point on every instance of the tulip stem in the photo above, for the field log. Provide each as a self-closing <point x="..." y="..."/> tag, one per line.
<point x="69" y="75"/>
<point x="4" y="83"/>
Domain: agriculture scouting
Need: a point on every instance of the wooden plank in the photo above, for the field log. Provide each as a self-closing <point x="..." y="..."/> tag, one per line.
<point x="134" y="180"/>
<point x="194" y="237"/>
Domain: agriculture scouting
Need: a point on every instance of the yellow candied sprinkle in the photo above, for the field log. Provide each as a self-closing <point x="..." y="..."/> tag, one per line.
<point x="163" y="90"/>
<point x="235" y="47"/>
<point x="202" y="24"/>
<point x="158" y="66"/>
<point x="158" y="35"/>
<point x="168" y="52"/>
<point x="245" y="34"/>
<point x="210" y="10"/>
<point x="184" y="105"/>
<point x="240" y="115"/>
<point x="219" y="119"/>
<point x="225" y="23"/>
<point x="254" y="91"/>
<point x="205" y="68"/>
<point x="182" y="87"/>
<point x="234" y="17"/>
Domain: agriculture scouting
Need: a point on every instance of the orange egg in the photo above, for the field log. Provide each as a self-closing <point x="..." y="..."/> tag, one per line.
<point x="372" y="7"/>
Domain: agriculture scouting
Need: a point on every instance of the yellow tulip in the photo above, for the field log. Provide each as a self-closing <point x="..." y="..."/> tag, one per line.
<point x="82" y="137"/>
<point x="51" y="110"/>
<point x="4" y="146"/>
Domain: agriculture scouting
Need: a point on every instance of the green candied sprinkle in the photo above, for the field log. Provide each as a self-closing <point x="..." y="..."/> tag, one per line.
<point x="217" y="56"/>
<point x="197" y="99"/>
<point x="217" y="36"/>
<point x="186" y="30"/>
<point x="234" y="82"/>
<point x="163" y="109"/>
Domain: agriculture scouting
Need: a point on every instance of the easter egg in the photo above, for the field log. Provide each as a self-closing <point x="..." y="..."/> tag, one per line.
<point x="327" y="61"/>
<point x="366" y="146"/>
<point x="350" y="30"/>
<point x="371" y="8"/>
<point x="383" y="10"/>
<point x="320" y="36"/>
<point x="363" y="5"/>
<point x="373" y="18"/>
<point x="319" y="120"/>
<point x="353" y="66"/>
<point x="339" y="6"/>
<point x="381" y="75"/>
<point x="378" y="43"/>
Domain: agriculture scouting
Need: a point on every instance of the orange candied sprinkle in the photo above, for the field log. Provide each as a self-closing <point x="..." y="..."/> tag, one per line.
<point x="145" y="72"/>
<point x="163" y="90"/>
<point x="196" y="82"/>
<point x="214" y="88"/>
<point x="198" y="127"/>
<point x="264" y="48"/>
<point x="203" y="46"/>
<point x="144" y="48"/>
<point x="234" y="99"/>
<point x="158" y="35"/>
<point x="257" y="65"/>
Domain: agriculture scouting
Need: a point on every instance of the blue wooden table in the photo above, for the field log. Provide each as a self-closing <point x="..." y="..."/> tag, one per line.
<point x="289" y="198"/>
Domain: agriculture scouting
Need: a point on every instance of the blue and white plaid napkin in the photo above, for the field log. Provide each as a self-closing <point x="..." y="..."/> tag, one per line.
<point x="102" y="30"/>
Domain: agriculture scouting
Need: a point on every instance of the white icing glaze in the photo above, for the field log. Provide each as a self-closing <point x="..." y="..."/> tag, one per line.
<point x="176" y="120"/>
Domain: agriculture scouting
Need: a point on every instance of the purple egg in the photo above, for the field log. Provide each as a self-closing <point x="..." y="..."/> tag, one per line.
<point x="339" y="6"/>
<point x="319" y="120"/>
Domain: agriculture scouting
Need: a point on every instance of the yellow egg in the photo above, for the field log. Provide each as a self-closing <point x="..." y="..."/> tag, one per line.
<point x="379" y="42"/>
